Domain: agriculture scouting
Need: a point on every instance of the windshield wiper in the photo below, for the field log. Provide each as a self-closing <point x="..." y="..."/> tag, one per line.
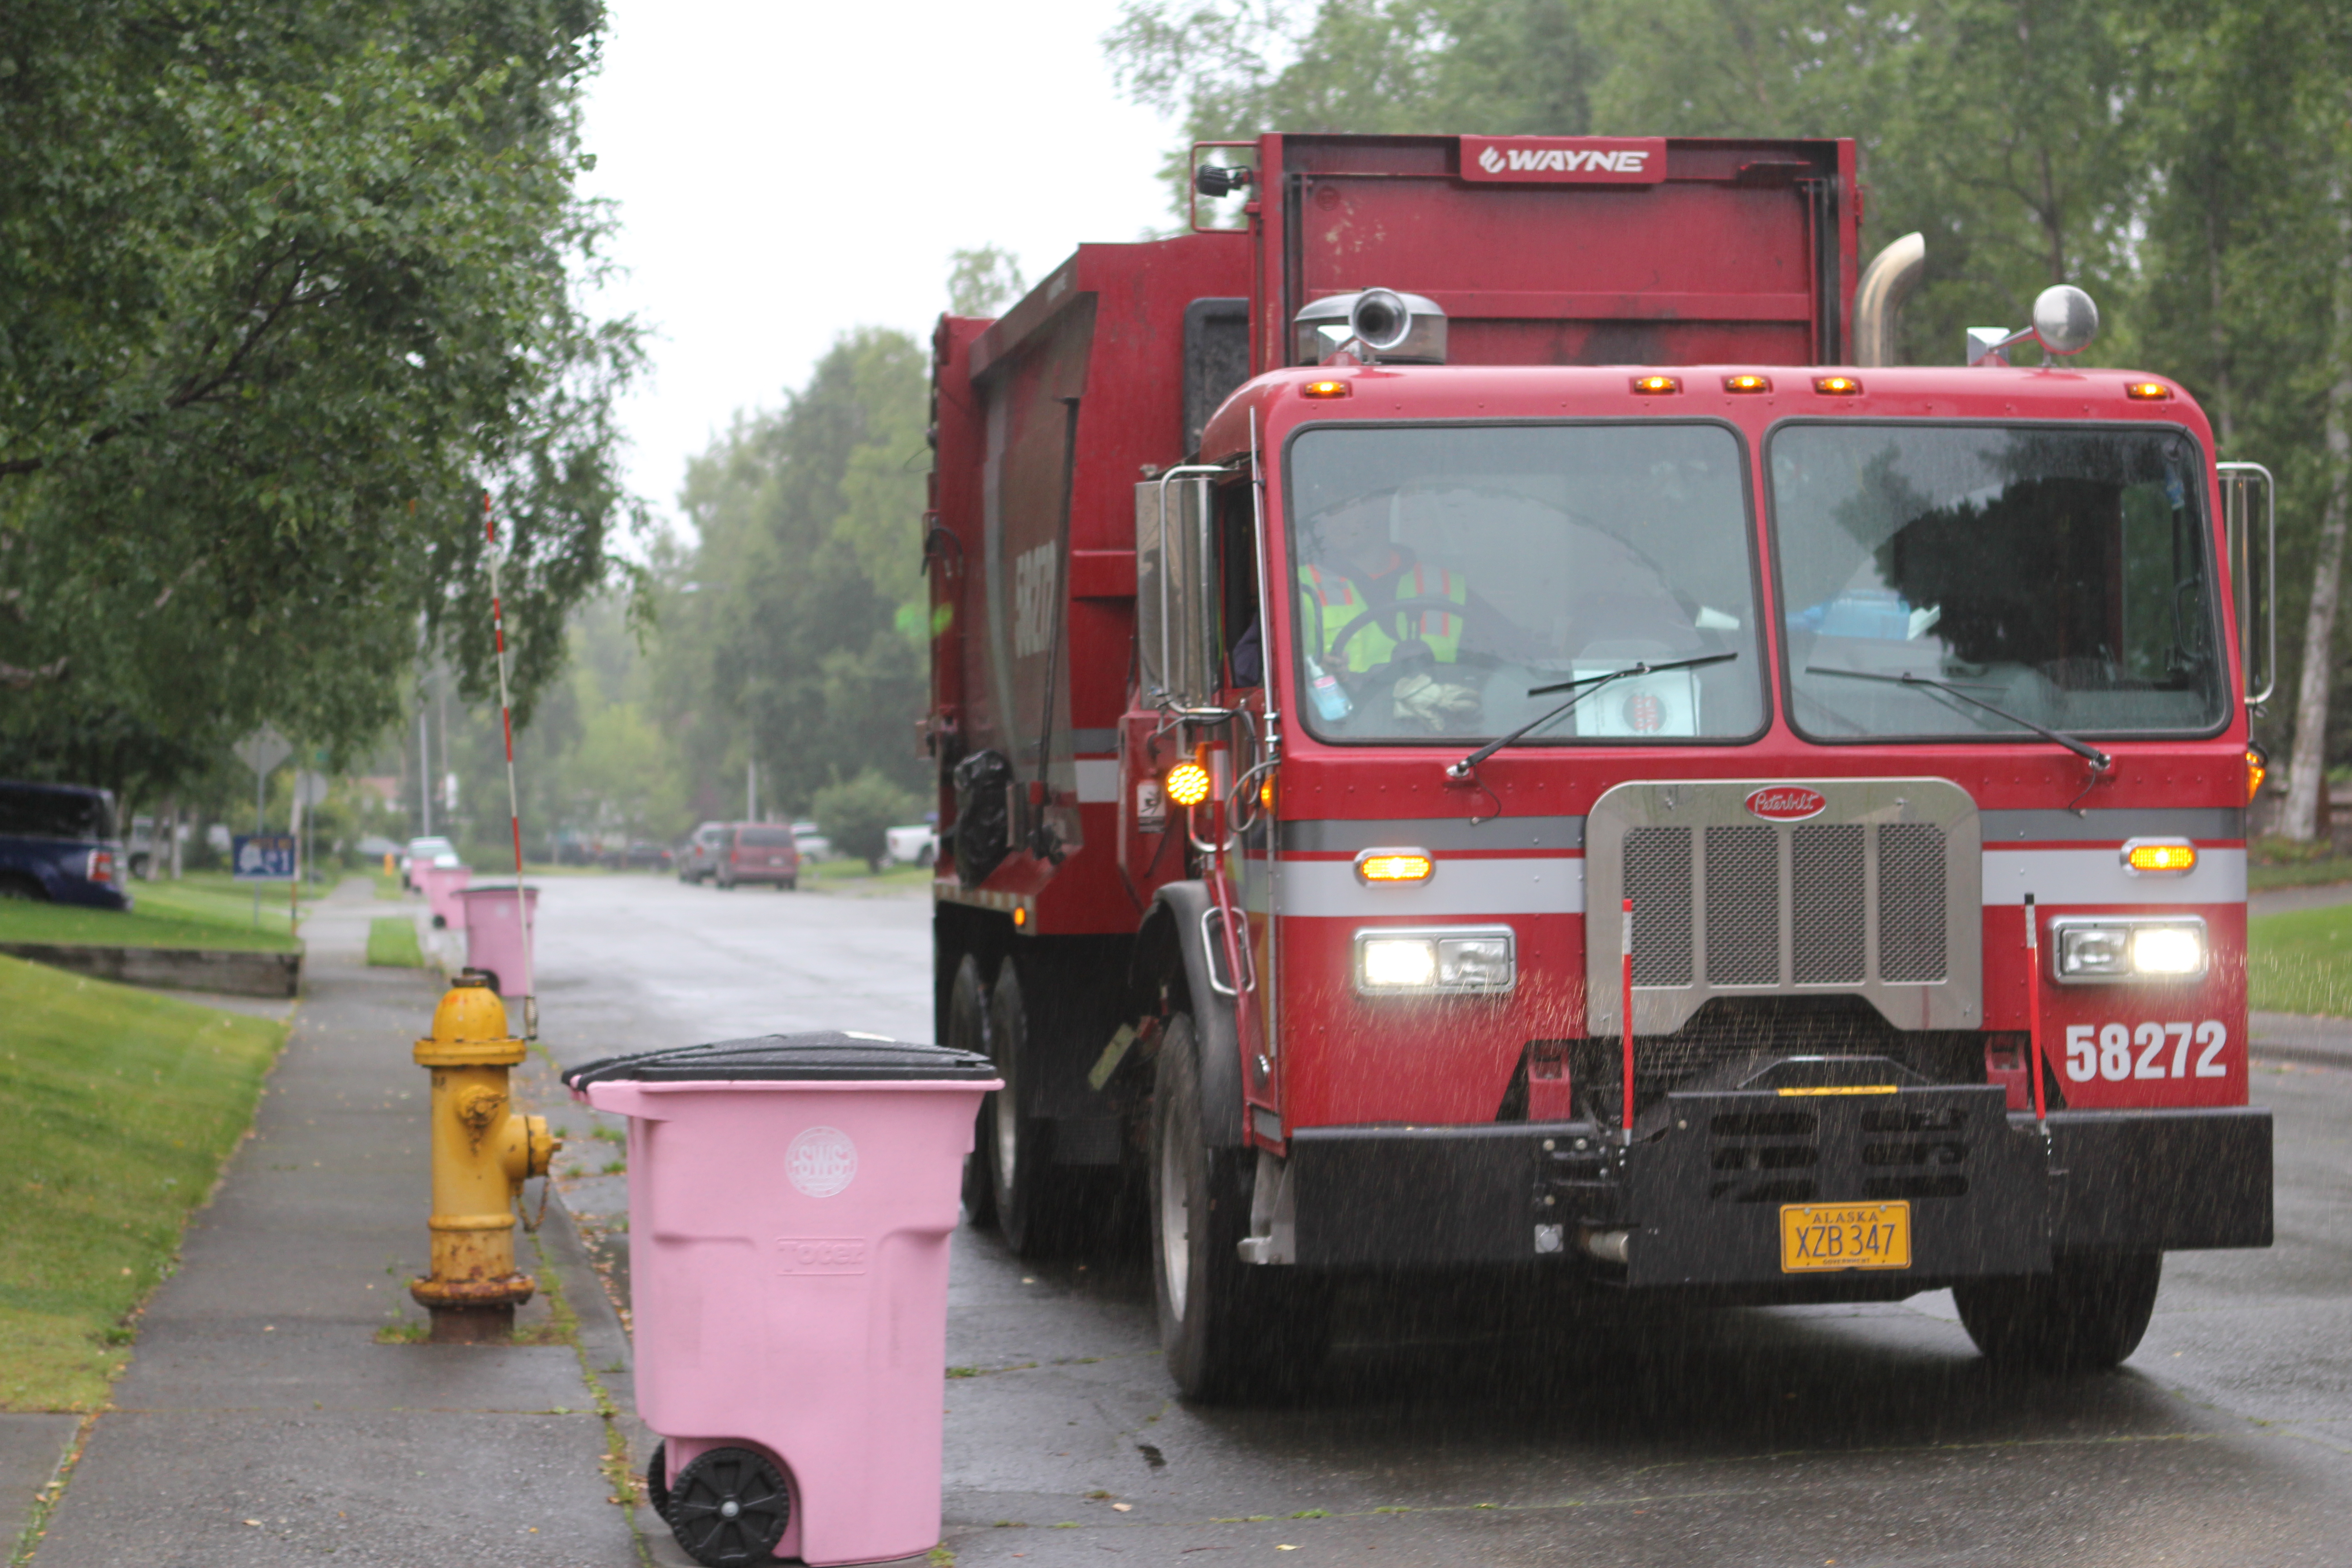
<point x="2100" y="762"/>
<point x="1591" y="683"/>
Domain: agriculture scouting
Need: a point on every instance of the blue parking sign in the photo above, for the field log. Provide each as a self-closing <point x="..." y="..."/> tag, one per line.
<point x="262" y="856"/>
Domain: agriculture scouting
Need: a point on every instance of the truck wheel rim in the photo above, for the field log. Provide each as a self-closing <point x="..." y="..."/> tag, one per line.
<point x="1175" y="1225"/>
<point x="1008" y="1141"/>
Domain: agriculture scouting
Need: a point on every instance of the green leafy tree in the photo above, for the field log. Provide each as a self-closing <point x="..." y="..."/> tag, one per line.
<point x="1232" y="69"/>
<point x="983" y="282"/>
<point x="857" y="814"/>
<point x="288" y="288"/>
<point x="803" y="641"/>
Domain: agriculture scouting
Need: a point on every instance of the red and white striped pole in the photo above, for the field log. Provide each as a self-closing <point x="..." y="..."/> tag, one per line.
<point x="2034" y="1003"/>
<point x="514" y="798"/>
<point x="1625" y="1002"/>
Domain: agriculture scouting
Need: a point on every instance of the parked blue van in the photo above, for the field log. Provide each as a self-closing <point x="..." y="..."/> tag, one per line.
<point x="58" y="842"/>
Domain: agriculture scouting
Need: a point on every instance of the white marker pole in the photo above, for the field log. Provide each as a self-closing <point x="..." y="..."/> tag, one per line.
<point x="514" y="798"/>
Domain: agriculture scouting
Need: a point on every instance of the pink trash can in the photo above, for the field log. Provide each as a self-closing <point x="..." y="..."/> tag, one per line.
<point x="791" y="1201"/>
<point x="493" y="920"/>
<point x="442" y="884"/>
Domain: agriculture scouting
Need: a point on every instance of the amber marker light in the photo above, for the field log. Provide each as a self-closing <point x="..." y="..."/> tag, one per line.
<point x="1188" y="784"/>
<point x="1657" y="385"/>
<point x="1392" y="867"/>
<point x="1020" y="917"/>
<point x="2258" y="768"/>
<point x="2149" y="390"/>
<point x="1265" y="792"/>
<point x="1327" y="389"/>
<point x="1837" y="386"/>
<point x="1751" y="383"/>
<point x="2160" y="855"/>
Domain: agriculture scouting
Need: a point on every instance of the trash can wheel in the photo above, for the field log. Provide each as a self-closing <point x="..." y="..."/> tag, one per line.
<point x="657" y="1480"/>
<point x="729" y="1507"/>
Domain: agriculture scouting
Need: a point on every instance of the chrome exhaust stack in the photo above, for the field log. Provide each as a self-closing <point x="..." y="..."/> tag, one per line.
<point x="1886" y="283"/>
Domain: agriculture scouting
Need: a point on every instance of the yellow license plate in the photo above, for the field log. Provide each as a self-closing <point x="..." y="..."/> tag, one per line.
<point x="1844" y="1236"/>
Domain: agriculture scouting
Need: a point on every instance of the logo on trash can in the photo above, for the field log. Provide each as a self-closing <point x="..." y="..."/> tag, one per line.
<point x="822" y="1161"/>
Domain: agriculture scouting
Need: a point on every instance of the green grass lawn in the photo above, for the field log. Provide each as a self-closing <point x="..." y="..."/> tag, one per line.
<point x="2301" y="962"/>
<point x="120" y="1106"/>
<point x="847" y="874"/>
<point x="214" y="897"/>
<point x="23" y="920"/>
<point x="391" y="943"/>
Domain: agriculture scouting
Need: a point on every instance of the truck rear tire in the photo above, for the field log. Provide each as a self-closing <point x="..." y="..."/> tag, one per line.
<point x="968" y="1031"/>
<point x="1036" y="1204"/>
<point x="1231" y="1332"/>
<point x="2085" y="1315"/>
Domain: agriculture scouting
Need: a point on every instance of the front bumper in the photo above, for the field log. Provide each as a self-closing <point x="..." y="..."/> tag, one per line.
<point x="1699" y="1202"/>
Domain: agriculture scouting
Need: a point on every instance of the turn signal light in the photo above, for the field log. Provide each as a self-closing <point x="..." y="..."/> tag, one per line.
<point x="1327" y="389"/>
<point x="1657" y="385"/>
<point x="2161" y="856"/>
<point x="1265" y="792"/>
<point x="2149" y="390"/>
<point x="1837" y="386"/>
<point x="1748" y="383"/>
<point x="2258" y="768"/>
<point x="1188" y="784"/>
<point x="1394" y="865"/>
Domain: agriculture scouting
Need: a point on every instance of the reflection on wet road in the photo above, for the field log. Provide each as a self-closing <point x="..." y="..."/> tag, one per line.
<point x="1493" y="1426"/>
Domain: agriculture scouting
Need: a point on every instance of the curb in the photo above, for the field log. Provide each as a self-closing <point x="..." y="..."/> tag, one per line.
<point x="2297" y="1037"/>
<point x="229" y="972"/>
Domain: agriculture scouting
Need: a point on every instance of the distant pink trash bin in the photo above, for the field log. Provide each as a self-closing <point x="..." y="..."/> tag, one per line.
<point x="791" y="1201"/>
<point x="442" y="884"/>
<point x="493" y="918"/>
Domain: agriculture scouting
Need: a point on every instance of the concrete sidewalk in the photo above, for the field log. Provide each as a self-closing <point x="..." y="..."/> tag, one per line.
<point x="261" y="1422"/>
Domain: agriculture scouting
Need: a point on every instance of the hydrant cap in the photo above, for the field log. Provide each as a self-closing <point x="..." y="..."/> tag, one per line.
<point x="470" y="1011"/>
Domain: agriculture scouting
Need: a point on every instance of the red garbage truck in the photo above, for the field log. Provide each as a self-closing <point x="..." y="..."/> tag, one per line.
<point x="1483" y="722"/>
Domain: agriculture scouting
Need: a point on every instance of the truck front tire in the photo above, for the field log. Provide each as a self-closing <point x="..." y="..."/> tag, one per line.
<point x="1231" y="1331"/>
<point x="2085" y="1315"/>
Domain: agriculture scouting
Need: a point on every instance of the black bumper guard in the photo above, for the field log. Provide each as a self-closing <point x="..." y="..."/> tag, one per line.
<point x="1700" y="1197"/>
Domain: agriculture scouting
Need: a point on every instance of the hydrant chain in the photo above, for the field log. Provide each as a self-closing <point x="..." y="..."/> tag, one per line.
<point x="482" y="1155"/>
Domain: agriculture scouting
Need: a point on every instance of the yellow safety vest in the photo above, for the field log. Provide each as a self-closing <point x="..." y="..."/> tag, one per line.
<point x="1328" y="604"/>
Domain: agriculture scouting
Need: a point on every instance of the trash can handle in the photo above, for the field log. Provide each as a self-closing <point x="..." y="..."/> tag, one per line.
<point x="624" y="1098"/>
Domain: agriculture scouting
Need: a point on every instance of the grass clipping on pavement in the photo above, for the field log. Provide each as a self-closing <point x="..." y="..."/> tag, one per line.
<point x="121" y="1106"/>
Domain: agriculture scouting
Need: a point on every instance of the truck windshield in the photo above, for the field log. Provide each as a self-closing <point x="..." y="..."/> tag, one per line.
<point x="1442" y="571"/>
<point x="2061" y="574"/>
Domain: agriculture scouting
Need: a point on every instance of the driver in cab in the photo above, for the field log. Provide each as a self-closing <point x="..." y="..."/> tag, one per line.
<point x="1372" y="615"/>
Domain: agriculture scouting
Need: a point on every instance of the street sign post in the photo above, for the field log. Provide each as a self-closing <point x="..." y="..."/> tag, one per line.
<point x="262" y="752"/>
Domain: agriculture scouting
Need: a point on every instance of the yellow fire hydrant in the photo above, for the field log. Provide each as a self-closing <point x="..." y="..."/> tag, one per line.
<point x="482" y="1154"/>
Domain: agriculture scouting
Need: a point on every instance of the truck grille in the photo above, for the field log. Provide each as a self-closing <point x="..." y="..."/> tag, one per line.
<point x="1773" y="1156"/>
<point x="1875" y="896"/>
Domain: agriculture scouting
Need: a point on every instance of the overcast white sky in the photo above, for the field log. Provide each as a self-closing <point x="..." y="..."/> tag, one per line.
<point x="787" y="169"/>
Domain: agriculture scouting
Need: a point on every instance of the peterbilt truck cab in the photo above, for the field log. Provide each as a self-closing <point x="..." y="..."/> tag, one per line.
<point x="1483" y="725"/>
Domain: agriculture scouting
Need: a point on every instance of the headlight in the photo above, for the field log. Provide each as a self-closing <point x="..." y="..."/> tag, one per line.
<point x="1439" y="961"/>
<point x="2090" y="950"/>
<point x="1399" y="964"/>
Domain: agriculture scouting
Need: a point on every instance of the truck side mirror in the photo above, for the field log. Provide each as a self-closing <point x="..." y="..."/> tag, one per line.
<point x="2249" y="510"/>
<point x="1175" y="596"/>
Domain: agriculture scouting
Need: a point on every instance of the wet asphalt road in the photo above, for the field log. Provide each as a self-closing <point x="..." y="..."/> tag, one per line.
<point x="1480" y="1428"/>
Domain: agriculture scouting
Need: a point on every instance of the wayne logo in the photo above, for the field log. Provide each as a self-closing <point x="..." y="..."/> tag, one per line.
<point x="1566" y="160"/>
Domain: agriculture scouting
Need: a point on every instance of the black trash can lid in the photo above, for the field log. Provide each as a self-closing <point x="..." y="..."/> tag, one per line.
<point x="830" y="1055"/>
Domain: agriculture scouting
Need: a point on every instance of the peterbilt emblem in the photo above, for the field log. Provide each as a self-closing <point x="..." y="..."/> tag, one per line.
<point x="1786" y="803"/>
